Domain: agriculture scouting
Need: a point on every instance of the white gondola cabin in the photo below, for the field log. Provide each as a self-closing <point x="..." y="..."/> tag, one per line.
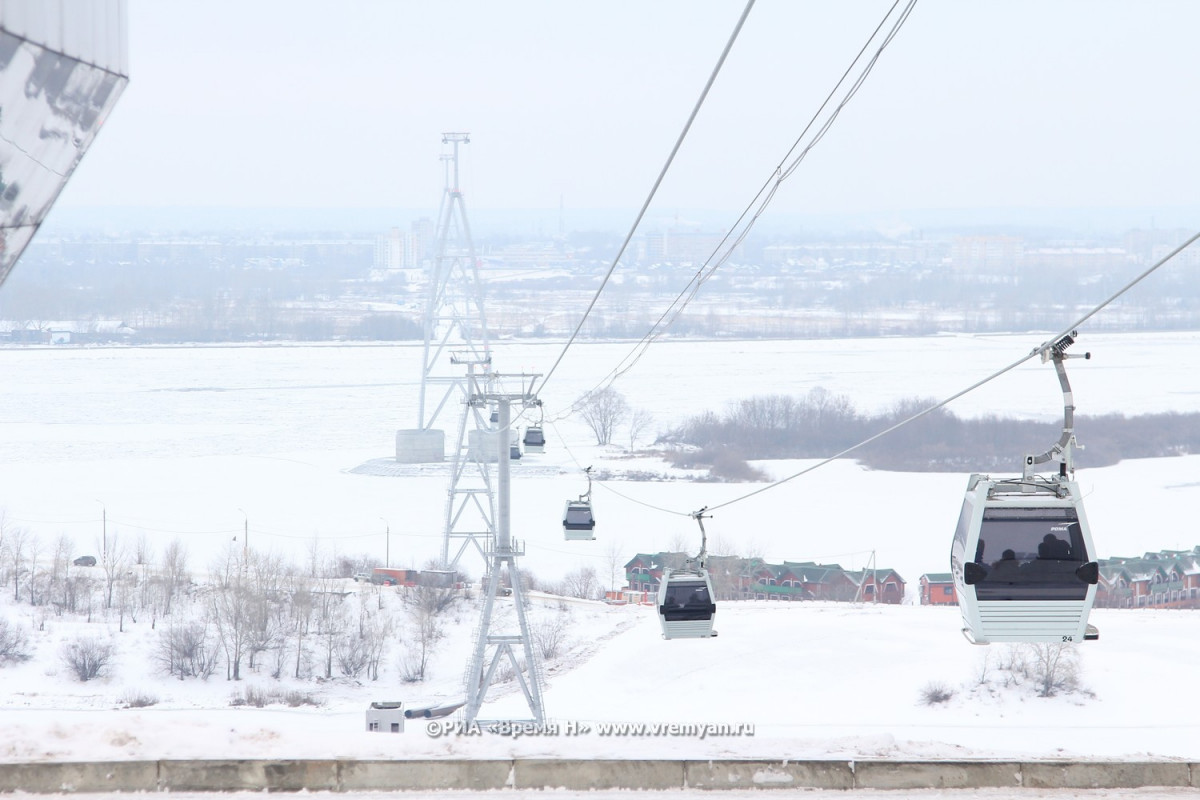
<point x="686" y="609"/>
<point x="578" y="522"/>
<point x="1023" y="564"/>
<point x="1022" y="558"/>
<point x="685" y="604"/>
<point x="535" y="440"/>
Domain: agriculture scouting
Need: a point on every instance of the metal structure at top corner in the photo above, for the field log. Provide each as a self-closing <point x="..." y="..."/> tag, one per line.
<point x="63" y="65"/>
<point x="1061" y="452"/>
<point x="455" y="323"/>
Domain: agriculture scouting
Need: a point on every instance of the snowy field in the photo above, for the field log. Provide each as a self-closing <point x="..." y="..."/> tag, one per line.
<point x="195" y="443"/>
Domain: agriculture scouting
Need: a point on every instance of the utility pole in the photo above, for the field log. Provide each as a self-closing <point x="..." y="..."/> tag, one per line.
<point x="480" y="669"/>
<point x="245" y="535"/>
<point x="103" y="529"/>
<point x="387" y="538"/>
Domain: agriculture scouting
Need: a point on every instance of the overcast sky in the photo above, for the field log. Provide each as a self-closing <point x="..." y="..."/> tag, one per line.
<point x="976" y="105"/>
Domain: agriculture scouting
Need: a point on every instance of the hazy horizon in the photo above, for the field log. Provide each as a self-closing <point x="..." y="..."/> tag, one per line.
<point x="980" y="106"/>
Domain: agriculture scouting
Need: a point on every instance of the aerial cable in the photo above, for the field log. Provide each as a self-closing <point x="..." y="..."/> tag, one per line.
<point x="1037" y="351"/>
<point x="606" y="487"/>
<point x="763" y="198"/>
<point x="654" y="189"/>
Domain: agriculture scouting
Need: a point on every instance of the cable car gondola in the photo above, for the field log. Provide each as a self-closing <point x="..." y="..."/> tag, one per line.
<point x="578" y="521"/>
<point x="535" y="437"/>
<point x="535" y="440"/>
<point x="685" y="596"/>
<point x="1022" y="557"/>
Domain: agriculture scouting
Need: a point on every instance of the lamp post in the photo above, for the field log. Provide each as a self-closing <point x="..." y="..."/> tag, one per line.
<point x="103" y="529"/>
<point x="387" y="537"/>
<point x="245" y="534"/>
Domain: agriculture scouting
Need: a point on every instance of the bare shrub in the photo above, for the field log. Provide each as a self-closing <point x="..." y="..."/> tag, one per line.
<point x="550" y="634"/>
<point x="295" y="699"/>
<point x="258" y="697"/>
<point x="136" y="698"/>
<point x="936" y="692"/>
<point x="188" y="650"/>
<point x="425" y="632"/>
<point x="14" y="643"/>
<point x="87" y="657"/>
<point x="353" y="654"/>
<point x="985" y="666"/>
<point x="251" y="696"/>
<point x="1054" y="667"/>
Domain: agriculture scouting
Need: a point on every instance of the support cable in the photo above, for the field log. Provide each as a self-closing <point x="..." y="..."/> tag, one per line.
<point x="654" y="189"/>
<point x="762" y="199"/>
<point x="1035" y="352"/>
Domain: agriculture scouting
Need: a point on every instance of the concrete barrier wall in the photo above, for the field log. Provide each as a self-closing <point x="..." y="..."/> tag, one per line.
<point x="578" y="774"/>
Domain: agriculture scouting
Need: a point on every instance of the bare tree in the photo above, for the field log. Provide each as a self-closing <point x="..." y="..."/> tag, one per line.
<point x="426" y="630"/>
<point x="16" y="545"/>
<point x="230" y="600"/>
<point x="603" y="411"/>
<point x="60" y="567"/>
<point x="613" y="556"/>
<point x="114" y="561"/>
<point x="639" y="420"/>
<point x="581" y="583"/>
<point x="175" y="575"/>
<point x="34" y="580"/>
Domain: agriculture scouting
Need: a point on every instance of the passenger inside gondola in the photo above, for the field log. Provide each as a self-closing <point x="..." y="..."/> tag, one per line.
<point x="687" y="600"/>
<point x="1054" y="547"/>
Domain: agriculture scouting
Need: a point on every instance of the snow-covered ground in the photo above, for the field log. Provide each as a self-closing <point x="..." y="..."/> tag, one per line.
<point x="196" y="443"/>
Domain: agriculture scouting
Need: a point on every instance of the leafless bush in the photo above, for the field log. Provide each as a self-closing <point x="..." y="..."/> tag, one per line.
<point x="430" y="599"/>
<point x="14" y="643"/>
<point x="1054" y="667"/>
<point x="935" y="693"/>
<point x="259" y="698"/>
<point x="87" y="657"/>
<point x="353" y="654"/>
<point x="136" y="698"/>
<point x="550" y="634"/>
<point x="295" y="699"/>
<point x="188" y="650"/>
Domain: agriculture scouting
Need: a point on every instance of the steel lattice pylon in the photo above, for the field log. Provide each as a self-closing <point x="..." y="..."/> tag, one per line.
<point x="481" y="670"/>
<point x="455" y="356"/>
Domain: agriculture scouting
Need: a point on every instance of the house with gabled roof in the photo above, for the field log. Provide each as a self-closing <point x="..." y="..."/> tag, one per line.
<point x="937" y="589"/>
<point x="878" y="585"/>
<point x="735" y="578"/>
<point x="1166" y="579"/>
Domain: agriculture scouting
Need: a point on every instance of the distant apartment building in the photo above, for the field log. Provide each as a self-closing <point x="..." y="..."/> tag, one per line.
<point x="399" y="249"/>
<point x="391" y="250"/>
<point x="679" y="245"/>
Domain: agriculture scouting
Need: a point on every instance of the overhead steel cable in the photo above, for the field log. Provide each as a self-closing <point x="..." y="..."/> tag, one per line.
<point x="609" y="488"/>
<point x="653" y="190"/>
<point x="1035" y="352"/>
<point x="763" y="198"/>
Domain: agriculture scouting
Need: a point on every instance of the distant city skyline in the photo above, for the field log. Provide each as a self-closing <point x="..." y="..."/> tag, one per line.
<point x="1008" y="111"/>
